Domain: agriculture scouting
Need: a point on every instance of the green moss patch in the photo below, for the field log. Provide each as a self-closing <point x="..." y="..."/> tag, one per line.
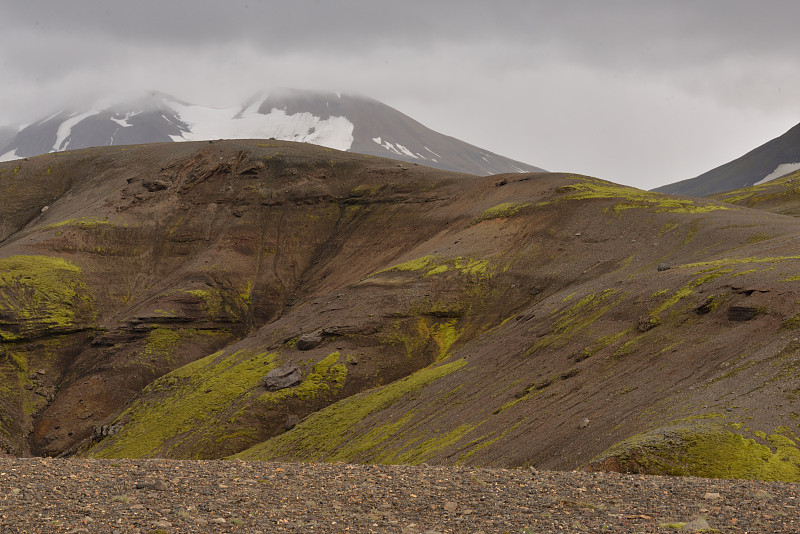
<point x="445" y="334"/>
<point x="83" y="223"/>
<point x="423" y="451"/>
<point x="738" y="261"/>
<point x="326" y="376"/>
<point x="688" y="289"/>
<point x="185" y="404"/>
<point x="330" y="434"/>
<point x="755" y="194"/>
<point x="578" y="317"/>
<point x="630" y="198"/>
<point x="41" y="295"/>
<point x="161" y="343"/>
<point x="707" y="449"/>
<point x="431" y="265"/>
<point x="219" y="304"/>
<point x="501" y="211"/>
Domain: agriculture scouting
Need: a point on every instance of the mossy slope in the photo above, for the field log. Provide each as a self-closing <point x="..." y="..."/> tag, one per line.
<point x="329" y="433"/>
<point x="704" y="448"/>
<point x="42" y="295"/>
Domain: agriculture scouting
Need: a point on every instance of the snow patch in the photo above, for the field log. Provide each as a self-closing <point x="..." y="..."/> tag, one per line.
<point x="212" y="123"/>
<point x="406" y="151"/>
<point x="432" y="152"/>
<point x="10" y="155"/>
<point x="780" y="170"/>
<point x="253" y="108"/>
<point x="65" y="129"/>
<point x="124" y="122"/>
<point x="397" y="148"/>
<point x="390" y="147"/>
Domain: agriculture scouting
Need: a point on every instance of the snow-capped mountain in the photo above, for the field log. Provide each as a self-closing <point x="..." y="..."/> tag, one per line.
<point x="771" y="160"/>
<point x="334" y="120"/>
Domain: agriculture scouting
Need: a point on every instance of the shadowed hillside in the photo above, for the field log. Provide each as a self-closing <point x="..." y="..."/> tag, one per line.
<point x="276" y="300"/>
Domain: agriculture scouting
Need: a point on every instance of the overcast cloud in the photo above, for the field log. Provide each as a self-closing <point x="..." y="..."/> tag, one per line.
<point x="637" y="92"/>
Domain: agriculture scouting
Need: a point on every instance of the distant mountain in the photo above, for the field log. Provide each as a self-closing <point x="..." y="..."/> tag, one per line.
<point x="767" y="162"/>
<point x="7" y="133"/>
<point x="334" y="120"/>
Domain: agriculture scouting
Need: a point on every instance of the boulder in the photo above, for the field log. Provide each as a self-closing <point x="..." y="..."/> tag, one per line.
<point x="283" y="377"/>
<point x="309" y="341"/>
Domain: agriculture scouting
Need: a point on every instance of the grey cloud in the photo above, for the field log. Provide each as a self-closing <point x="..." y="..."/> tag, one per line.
<point x="563" y="85"/>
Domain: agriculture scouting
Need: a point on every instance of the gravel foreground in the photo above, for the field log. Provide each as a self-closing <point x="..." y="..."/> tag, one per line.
<point x="165" y="496"/>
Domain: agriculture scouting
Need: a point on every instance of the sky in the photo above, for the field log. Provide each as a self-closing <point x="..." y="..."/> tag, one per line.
<point x="639" y="92"/>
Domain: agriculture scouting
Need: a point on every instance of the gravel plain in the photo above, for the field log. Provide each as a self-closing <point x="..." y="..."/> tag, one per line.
<point x="165" y="496"/>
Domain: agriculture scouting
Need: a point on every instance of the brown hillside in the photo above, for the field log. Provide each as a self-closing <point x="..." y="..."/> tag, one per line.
<point x="781" y="195"/>
<point x="420" y="316"/>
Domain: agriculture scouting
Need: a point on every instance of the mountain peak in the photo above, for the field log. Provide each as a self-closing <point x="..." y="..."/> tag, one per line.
<point x="332" y="119"/>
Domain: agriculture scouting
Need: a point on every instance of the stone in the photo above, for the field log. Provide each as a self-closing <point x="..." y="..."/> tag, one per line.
<point x="156" y="185"/>
<point x="647" y="323"/>
<point x="697" y="524"/>
<point x="712" y="496"/>
<point x="762" y="495"/>
<point x="663" y="267"/>
<point x="450" y="506"/>
<point x="309" y="341"/>
<point x="291" y="421"/>
<point x="584" y="423"/>
<point x="283" y="377"/>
